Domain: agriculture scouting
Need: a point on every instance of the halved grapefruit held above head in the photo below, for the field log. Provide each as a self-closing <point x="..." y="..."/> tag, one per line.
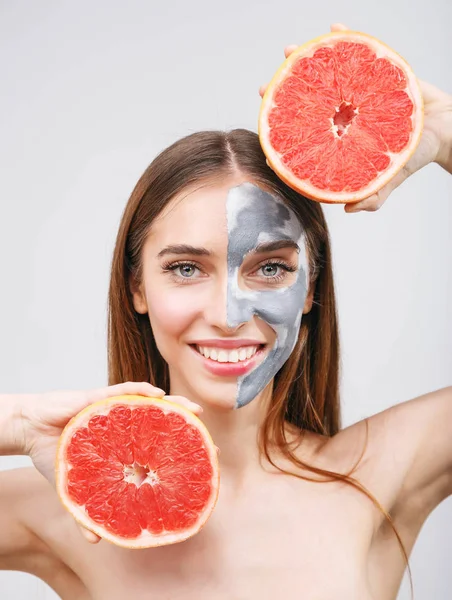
<point x="342" y="115"/>
<point x="137" y="471"/>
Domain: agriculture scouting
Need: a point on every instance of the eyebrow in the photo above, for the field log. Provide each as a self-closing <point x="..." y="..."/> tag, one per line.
<point x="259" y="249"/>
<point x="277" y="245"/>
<point x="183" y="249"/>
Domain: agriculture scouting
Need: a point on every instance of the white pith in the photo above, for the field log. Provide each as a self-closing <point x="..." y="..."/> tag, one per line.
<point x="397" y="160"/>
<point x="146" y="539"/>
<point x="232" y="356"/>
<point x="138" y="475"/>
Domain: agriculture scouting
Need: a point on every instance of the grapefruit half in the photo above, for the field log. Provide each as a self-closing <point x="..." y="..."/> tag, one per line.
<point x="137" y="471"/>
<point x="342" y="115"/>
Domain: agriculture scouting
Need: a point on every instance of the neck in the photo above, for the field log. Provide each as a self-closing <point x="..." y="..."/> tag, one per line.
<point x="234" y="431"/>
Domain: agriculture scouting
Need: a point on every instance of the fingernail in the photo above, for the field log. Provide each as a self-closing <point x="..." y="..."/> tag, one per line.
<point x="89" y="536"/>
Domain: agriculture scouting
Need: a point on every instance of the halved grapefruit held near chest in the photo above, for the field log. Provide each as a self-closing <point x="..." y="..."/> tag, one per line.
<point x="342" y="115"/>
<point x="139" y="472"/>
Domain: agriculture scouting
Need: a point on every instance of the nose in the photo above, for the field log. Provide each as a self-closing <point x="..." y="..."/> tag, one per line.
<point x="215" y="313"/>
<point x="225" y="309"/>
<point x="239" y="309"/>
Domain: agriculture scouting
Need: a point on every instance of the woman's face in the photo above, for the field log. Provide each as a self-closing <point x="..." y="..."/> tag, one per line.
<point x="225" y="284"/>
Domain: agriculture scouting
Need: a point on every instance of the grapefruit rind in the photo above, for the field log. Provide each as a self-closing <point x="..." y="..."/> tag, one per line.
<point x="145" y="539"/>
<point x="398" y="160"/>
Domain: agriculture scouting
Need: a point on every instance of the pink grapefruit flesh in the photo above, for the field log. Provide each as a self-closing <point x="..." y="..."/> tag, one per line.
<point x="139" y="472"/>
<point x="342" y="115"/>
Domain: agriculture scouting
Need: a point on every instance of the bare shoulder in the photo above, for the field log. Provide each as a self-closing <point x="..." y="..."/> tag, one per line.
<point x="21" y="493"/>
<point x="405" y="455"/>
<point x="22" y="488"/>
<point x="29" y="513"/>
<point x="21" y="479"/>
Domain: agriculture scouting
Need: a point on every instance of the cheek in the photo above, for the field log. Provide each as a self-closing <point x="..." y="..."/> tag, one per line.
<point x="171" y="312"/>
<point x="279" y="308"/>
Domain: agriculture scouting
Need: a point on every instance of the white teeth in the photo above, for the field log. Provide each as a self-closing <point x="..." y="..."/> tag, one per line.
<point x="242" y="354"/>
<point x="234" y="356"/>
<point x="222" y="355"/>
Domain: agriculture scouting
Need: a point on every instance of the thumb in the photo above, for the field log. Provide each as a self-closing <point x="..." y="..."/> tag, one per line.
<point x="89" y="536"/>
<point x="424" y="154"/>
<point x="376" y="201"/>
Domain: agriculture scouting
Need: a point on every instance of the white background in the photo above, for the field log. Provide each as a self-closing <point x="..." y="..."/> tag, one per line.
<point x="92" y="90"/>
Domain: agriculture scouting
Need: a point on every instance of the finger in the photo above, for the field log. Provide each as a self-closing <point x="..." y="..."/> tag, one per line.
<point x="430" y="92"/>
<point x="268" y="164"/>
<point x="289" y="49"/>
<point x="287" y="52"/>
<point x="339" y="27"/>
<point x="371" y="204"/>
<point x="140" y="388"/>
<point x="218" y="450"/>
<point x="194" y="408"/>
<point x="377" y="200"/>
<point x="292" y="47"/>
<point x="89" y="536"/>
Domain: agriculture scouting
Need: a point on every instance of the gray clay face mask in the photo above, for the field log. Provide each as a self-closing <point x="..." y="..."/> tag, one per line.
<point x="254" y="217"/>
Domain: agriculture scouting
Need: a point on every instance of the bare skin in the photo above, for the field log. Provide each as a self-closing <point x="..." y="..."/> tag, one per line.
<point x="271" y="535"/>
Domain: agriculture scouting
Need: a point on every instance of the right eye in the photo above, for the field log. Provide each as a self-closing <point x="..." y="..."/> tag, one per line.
<point x="186" y="270"/>
<point x="183" y="271"/>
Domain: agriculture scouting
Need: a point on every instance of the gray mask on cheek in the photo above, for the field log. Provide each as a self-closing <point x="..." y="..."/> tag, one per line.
<point x="254" y="217"/>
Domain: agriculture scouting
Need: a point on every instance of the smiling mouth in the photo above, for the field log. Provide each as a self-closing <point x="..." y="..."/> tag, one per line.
<point x="237" y="356"/>
<point x="234" y="356"/>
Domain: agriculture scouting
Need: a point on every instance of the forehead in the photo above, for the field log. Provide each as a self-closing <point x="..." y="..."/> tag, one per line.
<point x="192" y="214"/>
<point x="211" y="214"/>
<point x="255" y="216"/>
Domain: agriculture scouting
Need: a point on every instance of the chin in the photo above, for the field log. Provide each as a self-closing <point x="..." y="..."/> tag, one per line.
<point x="217" y="396"/>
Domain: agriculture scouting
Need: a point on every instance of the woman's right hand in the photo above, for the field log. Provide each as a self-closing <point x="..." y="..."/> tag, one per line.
<point x="44" y="416"/>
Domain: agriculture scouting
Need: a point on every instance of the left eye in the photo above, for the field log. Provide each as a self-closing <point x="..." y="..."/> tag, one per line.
<point x="270" y="270"/>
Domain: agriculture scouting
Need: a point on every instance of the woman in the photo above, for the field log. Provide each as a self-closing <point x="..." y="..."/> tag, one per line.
<point x="221" y="292"/>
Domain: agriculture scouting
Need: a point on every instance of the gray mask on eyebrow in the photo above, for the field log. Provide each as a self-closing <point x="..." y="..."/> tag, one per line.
<point x="253" y="217"/>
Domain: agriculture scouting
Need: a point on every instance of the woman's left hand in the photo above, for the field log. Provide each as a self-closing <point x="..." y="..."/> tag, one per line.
<point x="435" y="144"/>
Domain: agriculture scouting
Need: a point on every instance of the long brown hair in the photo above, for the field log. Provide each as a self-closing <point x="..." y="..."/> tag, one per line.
<point x="306" y="389"/>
